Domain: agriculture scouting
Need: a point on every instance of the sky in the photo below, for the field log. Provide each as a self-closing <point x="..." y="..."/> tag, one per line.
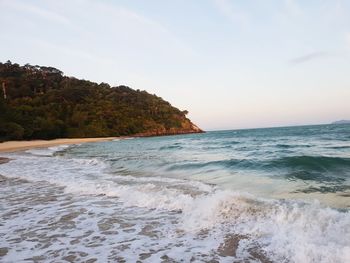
<point x="230" y="63"/>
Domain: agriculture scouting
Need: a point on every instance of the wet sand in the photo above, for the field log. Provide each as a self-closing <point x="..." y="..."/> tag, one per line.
<point x="4" y="160"/>
<point x="13" y="146"/>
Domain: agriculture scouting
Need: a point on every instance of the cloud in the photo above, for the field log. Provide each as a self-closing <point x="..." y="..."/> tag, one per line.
<point x="293" y="7"/>
<point x="309" y="57"/>
<point x="122" y="32"/>
<point x="98" y="40"/>
<point x="38" y="11"/>
<point x="146" y="25"/>
<point x="230" y="11"/>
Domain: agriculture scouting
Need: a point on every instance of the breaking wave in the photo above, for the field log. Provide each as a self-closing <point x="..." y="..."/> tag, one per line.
<point x="286" y="231"/>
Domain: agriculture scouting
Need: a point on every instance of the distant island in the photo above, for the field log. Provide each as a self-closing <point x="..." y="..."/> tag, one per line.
<point x="342" y="122"/>
<point x="38" y="102"/>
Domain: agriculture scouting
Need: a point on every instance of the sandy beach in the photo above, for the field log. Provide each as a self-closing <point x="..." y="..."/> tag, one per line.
<point x="13" y="146"/>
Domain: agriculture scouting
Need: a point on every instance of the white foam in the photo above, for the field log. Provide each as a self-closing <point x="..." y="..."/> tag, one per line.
<point x="50" y="151"/>
<point x="292" y="231"/>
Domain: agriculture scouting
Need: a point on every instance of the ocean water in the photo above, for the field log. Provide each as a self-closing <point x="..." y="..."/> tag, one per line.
<point x="259" y="195"/>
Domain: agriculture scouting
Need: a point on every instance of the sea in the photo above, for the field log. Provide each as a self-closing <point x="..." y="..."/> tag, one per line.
<point x="257" y="195"/>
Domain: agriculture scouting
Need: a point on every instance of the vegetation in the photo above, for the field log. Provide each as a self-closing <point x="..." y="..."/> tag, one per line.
<point x="41" y="103"/>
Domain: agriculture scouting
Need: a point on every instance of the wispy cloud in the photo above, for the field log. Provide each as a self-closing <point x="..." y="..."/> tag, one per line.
<point x="310" y="57"/>
<point x="38" y="11"/>
<point x="127" y="32"/>
<point x="230" y="11"/>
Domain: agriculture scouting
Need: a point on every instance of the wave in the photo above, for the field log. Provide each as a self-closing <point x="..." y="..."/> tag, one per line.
<point x="50" y="151"/>
<point x="339" y="147"/>
<point x="89" y="161"/>
<point x="305" y="163"/>
<point x="285" y="230"/>
<point x="219" y="164"/>
<point x="313" y="163"/>
<point x="287" y="146"/>
<point x="171" y="147"/>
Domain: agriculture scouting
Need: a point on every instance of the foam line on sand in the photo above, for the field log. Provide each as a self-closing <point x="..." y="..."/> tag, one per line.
<point x="13" y="146"/>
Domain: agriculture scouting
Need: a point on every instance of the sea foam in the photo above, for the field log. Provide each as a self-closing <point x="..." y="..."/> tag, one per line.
<point x="50" y="151"/>
<point x="284" y="231"/>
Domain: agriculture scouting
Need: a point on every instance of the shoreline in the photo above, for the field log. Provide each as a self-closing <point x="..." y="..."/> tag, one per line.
<point x="14" y="146"/>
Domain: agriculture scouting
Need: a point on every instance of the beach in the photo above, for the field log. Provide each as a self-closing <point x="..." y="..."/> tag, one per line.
<point x="263" y="195"/>
<point x="13" y="146"/>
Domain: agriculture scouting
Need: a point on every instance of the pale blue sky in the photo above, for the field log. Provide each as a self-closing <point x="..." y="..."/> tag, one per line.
<point x="231" y="63"/>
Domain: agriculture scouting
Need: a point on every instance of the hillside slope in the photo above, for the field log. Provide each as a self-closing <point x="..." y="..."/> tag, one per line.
<point x="41" y="103"/>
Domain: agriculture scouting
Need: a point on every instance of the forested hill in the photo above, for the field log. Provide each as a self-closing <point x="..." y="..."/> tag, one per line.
<point x="41" y="103"/>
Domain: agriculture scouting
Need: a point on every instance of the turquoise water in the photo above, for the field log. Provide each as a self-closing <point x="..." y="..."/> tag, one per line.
<point x="259" y="195"/>
<point x="311" y="162"/>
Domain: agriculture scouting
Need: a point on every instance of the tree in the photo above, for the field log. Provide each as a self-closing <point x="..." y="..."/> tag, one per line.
<point x="42" y="103"/>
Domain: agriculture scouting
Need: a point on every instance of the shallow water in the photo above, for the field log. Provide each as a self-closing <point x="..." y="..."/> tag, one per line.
<point x="263" y="195"/>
